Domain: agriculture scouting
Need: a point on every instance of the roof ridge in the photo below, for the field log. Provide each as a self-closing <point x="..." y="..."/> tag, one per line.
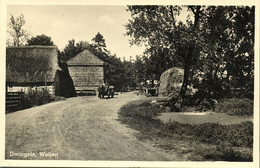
<point x="70" y="61"/>
<point x="33" y="46"/>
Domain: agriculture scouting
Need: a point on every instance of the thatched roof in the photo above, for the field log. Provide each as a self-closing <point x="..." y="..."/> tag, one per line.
<point x="31" y="64"/>
<point x="85" y="58"/>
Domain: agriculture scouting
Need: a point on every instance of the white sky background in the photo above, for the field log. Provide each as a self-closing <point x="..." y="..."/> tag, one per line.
<point x="82" y="23"/>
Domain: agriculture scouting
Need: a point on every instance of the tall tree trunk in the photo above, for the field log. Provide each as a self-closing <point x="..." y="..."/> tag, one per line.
<point x="228" y="82"/>
<point x="187" y="73"/>
<point x="184" y="84"/>
<point x="188" y="59"/>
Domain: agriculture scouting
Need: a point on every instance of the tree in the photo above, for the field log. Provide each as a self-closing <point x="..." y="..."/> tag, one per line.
<point x="99" y="42"/>
<point x="114" y="72"/>
<point x="72" y="49"/>
<point x="69" y="51"/>
<point x="40" y="40"/>
<point x="129" y="74"/>
<point x="158" y="60"/>
<point x="139" y="69"/>
<point x="156" y="27"/>
<point x="214" y="41"/>
<point x="242" y="66"/>
<point x="16" y="31"/>
<point x="229" y="56"/>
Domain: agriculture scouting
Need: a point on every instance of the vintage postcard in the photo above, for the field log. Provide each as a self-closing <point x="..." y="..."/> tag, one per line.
<point x="129" y="83"/>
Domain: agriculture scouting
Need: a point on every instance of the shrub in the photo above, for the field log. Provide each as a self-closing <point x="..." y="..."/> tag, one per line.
<point x="236" y="106"/>
<point x="36" y="97"/>
<point x="200" y="101"/>
<point x="205" y="105"/>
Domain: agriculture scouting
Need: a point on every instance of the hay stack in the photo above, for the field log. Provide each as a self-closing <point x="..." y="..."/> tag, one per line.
<point x="171" y="81"/>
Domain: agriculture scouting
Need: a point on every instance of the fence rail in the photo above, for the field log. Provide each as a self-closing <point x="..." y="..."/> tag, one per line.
<point x="13" y="100"/>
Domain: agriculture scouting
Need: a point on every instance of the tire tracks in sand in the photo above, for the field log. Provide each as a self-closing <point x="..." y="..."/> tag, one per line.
<point x="81" y="128"/>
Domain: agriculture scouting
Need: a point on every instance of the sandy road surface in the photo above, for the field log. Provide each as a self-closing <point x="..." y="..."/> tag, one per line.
<point x="80" y="128"/>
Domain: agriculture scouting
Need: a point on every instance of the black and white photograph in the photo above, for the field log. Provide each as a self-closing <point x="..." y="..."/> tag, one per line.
<point x="139" y="84"/>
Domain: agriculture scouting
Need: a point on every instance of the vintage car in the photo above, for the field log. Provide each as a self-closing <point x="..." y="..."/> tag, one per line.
<point x="105" y="90"/>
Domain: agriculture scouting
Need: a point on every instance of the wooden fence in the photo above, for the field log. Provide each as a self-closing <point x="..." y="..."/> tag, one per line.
<point x="13" y="100"/>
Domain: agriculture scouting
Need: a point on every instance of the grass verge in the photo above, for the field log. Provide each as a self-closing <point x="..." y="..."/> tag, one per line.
<point x="236" y="106"/>
<point x="207" y="141"/>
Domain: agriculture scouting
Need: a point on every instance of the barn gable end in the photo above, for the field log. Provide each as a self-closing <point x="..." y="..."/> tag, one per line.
<point x="86" y="71"/>
<point x="85" y="58"/>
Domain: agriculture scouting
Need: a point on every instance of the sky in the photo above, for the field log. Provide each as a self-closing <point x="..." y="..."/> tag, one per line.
<point x="82" y="23"/>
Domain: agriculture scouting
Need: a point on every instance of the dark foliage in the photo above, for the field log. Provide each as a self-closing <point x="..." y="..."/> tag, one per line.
<point x="235" y="106"/>
<point x="201" y="46"/>
<point x="40" y="40"/>
<point x="36" y="97"/>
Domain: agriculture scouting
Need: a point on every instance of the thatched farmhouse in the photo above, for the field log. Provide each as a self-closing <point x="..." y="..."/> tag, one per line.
<point x="31" y="67"/>
<point x="86" y="71"/>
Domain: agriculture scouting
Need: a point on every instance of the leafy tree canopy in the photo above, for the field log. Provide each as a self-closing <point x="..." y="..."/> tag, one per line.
<point x="215" y="42"/>
<point x="40" y="40"/>
<point x="99" y="40"/>
<point x="72" y="49"/>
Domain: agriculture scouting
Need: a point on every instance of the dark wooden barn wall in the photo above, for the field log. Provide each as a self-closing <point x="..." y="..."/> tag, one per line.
<point x="86" y="76"/>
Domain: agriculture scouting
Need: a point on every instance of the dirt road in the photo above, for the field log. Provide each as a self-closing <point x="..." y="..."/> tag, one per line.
<point x="80" y="128"/>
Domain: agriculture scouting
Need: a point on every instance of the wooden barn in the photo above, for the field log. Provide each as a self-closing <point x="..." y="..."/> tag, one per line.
<point x="86" y="71"/>
<point x="31" y="67"/>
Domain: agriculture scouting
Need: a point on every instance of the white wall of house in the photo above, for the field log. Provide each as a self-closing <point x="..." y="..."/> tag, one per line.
<point x="26" y="89"/>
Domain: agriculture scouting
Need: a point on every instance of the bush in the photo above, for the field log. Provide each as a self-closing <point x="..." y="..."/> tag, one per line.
<point x="36" y="97"/>
<point x="201" y="102"/>
<point x="205" y="105"/>
<point x="236" y="106"/>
